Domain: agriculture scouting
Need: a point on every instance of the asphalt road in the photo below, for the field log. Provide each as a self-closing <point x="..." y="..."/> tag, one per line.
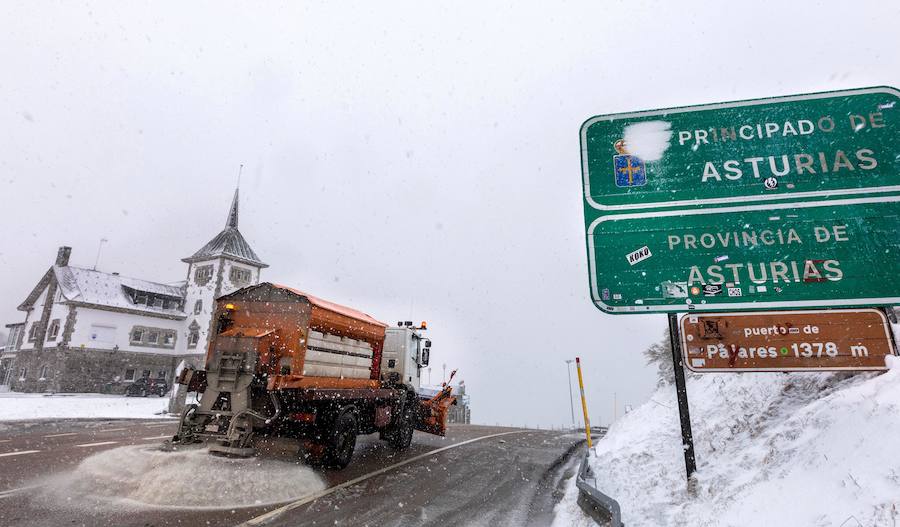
<point x="477" y="475"/>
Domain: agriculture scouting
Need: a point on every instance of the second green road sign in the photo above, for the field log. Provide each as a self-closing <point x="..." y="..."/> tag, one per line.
<point x="683" y="215"/>
<point x="790" y="255"/>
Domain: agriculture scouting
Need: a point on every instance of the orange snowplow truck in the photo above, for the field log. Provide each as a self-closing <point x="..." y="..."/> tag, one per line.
<point x="283" y="362"/>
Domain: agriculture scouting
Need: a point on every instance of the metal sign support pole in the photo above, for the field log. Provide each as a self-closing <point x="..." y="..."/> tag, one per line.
<point x="687" y="437"/>
<point x="892" y="318"/>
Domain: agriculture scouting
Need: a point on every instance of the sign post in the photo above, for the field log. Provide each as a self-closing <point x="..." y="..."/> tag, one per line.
<point x="684" y="413"/>
<point x="587" y="421"/>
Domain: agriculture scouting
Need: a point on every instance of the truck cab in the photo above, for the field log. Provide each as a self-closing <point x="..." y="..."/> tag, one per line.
<point x="406" y="352"/>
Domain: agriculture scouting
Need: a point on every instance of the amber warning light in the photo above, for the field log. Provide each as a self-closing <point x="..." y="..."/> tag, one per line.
<point x="229" y="307"/>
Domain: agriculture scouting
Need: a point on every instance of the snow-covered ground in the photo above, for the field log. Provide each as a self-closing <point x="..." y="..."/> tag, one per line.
<point x="813" y="449"/>
<point x="15" y="406"/>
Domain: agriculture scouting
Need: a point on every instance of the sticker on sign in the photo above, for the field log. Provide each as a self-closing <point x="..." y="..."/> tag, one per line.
<point x="639" y="255"/>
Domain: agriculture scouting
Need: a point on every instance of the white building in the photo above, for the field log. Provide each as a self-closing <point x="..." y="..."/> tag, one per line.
<point x="90" y="331"/>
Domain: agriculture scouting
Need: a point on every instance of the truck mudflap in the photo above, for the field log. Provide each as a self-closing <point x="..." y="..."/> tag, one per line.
<point x="433" y="412"/>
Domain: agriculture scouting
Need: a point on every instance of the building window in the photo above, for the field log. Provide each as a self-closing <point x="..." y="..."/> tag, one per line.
<point x="203" y="274"/>
<point x="43" y="375"/>
<point x="198" y="307"/>
<point x="193" y="338"/>
<point x="129" y="375"/>
<point x="161" y="374"/>
<point x="157" y="337"/>
<point x="53" y="331"/>
<point x="158" y="302"/>
<point x="240" y="276"/>
<point x="22" y="373"/>
<point x="140" y="298"/>
<point x="145" y="374"/>
<point x="12" y="341"/>
<point x="32" y="333"/>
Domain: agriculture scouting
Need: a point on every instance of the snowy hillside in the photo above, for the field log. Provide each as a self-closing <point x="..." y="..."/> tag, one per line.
<point x="815" y="449"/>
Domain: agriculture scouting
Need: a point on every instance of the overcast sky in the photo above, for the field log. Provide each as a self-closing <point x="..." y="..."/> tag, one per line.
<point x="416" y="161"/>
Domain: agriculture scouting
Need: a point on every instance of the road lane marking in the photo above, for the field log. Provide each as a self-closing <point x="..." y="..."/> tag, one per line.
<point x="5" y="440"/>
<point x="62" y="435"/>
<point x="114" y="430"/>
<point x="7" y="493"/>
<point x="259" y="520"/>
<point x="19" y="453"/>
<point x="156" y="437"/>
<point x="101" y="443"/>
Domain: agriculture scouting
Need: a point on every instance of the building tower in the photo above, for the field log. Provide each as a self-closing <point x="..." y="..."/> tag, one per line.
<point x="223" y="265"/>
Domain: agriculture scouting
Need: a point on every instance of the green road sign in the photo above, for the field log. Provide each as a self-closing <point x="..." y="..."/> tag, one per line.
<point x="827" y="253"/>
<point x="817" y="146"/>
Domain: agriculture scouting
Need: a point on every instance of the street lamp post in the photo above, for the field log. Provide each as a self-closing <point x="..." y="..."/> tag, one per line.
<point x="571" y="404"/>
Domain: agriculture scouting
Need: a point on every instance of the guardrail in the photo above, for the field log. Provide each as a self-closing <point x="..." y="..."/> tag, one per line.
<point x="599" y="506"/>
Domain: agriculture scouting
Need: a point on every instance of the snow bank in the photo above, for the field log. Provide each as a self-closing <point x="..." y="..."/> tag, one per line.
<point x="17" y="406"/>
<point x="796" y="449"/>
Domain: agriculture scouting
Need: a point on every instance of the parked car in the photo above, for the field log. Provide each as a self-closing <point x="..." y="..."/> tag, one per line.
<point x="146" y="386"/>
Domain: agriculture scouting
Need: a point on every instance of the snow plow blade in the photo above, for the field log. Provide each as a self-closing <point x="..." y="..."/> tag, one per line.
<point x="432" y="417"/>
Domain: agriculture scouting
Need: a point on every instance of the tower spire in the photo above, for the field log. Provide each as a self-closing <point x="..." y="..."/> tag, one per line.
<point x="233" y="212"/>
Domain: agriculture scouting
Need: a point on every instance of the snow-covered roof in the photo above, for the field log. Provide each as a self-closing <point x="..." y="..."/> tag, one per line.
<point x="87" y="286"/>
<point x="229" y="243"/>
<point x="90" y="287"/>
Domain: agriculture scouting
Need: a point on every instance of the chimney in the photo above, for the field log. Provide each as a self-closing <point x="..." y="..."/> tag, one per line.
<point x="62" y="256"/>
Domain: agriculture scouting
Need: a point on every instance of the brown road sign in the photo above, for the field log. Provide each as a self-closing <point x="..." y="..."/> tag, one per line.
<point x="834" y="339"/>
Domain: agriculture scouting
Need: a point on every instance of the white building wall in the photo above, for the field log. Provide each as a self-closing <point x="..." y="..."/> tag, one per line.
<point x="84" y="334"/>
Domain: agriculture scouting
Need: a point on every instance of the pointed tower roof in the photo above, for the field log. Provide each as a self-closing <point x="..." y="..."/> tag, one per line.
<point x="229" y="243"/>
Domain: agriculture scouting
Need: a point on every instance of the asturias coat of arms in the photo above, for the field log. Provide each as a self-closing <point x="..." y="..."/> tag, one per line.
<point x="629" y="169"/>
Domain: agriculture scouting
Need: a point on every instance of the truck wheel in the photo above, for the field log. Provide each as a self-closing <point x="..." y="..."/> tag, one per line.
<point x="402" y="437"/>
<point x="339" y="450"/>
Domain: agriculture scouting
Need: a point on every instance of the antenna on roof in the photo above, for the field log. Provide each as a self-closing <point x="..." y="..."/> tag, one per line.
<point x="99" y="248"/>
<point x="240" y="171"/>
